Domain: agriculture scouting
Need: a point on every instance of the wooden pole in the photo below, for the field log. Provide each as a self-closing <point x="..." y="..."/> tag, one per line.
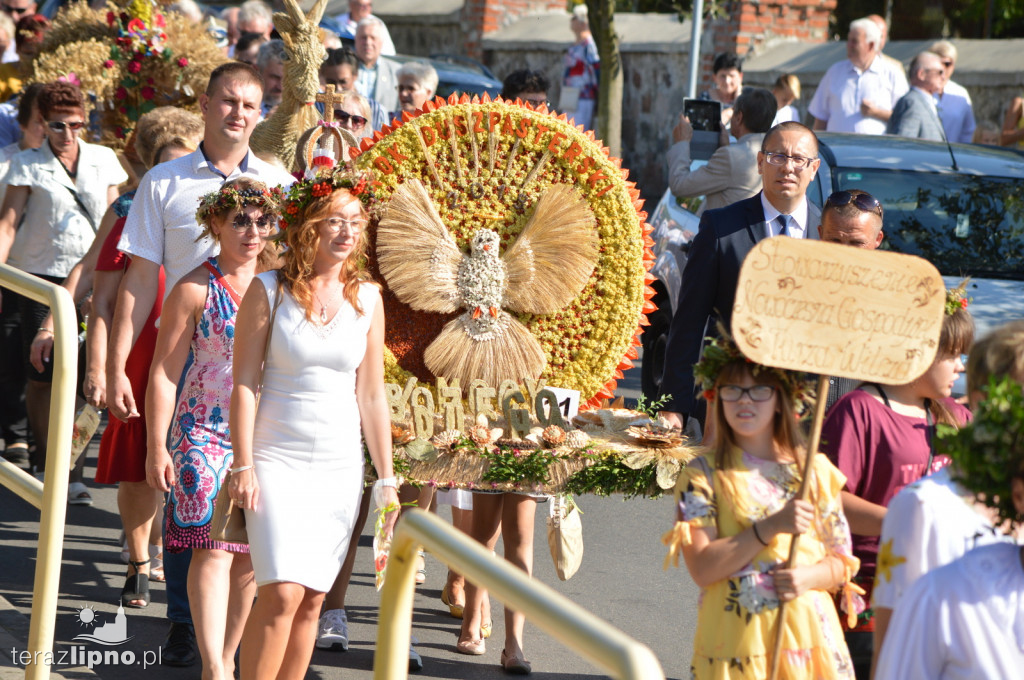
<point x="805" y="489"/>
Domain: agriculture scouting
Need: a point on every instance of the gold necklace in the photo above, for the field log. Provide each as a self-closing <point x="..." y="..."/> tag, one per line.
<point x="323" y="307"/>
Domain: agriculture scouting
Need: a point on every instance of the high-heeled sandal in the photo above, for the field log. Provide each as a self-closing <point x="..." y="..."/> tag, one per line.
<point x="136" y="587"/>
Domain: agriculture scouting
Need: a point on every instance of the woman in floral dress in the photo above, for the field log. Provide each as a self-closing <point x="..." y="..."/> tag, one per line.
<point x="198" y="328"/>
<point x="737" y="508"/>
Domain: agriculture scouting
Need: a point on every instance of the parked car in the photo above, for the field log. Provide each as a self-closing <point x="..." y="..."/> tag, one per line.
<point x="959" y="206"/>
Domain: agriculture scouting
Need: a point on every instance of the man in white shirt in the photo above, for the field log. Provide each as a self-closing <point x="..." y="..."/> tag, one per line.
<point x="955" y="108"/>
<point x="731" y="173"/>
<point x="377" y="78"/>
<point x="161" y="228"/>
<point x="359" y="10"/>
<point x="859" y="93"/>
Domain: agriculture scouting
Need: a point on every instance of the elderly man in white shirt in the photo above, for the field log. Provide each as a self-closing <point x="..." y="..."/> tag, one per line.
<point x="859" y="93"/>
<point x="359" y="10"/>
<point x="954" y="102"/>
<point x="378" y="76"/>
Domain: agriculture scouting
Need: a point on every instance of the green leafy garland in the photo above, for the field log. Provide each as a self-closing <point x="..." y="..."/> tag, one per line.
<point x="608" y="475"/>
<point x="989" y="452"/>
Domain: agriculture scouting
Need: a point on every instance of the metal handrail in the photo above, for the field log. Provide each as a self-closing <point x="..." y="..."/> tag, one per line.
<point x="589" y="636"/>
<point x="51" y="497"/>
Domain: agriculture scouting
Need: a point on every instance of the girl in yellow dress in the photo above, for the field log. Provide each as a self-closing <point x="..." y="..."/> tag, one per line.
<point x="738" y="507"/>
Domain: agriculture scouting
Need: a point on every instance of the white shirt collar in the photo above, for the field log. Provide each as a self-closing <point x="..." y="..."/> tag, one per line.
<point x="798" y="221"/>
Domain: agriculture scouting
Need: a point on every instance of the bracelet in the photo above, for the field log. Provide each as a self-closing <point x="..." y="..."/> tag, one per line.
<point x="45" y="329"/>
<point x="242" y="468"/>
<point x="387" y="481"/>
<point x="757" y="535"/>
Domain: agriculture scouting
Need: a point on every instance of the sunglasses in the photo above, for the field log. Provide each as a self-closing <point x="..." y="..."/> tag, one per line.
<point x="345" y="117"/>
<point x="244" y="223"/>
<point x="755" y="392"/>
<point x="60" y="125"/>
<point x="948" y="63"/>
<point x="14" y="10"/>
<point x="865" y="202"/>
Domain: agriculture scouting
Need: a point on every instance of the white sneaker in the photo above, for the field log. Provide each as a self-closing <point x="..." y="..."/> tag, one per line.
<point x="333" y="630"/>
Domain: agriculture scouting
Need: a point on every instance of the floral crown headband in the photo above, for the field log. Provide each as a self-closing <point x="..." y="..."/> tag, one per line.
<point x="722" y="351"/>
<point x="956" y="298"/>
<point x="229" y="198"/>
<point x="323" y="183"/>
<point x="989" y="451"/>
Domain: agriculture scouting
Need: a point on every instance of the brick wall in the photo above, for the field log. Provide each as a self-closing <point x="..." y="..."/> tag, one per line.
<point x="480" y="17"/>
<point x="751" y="26"/>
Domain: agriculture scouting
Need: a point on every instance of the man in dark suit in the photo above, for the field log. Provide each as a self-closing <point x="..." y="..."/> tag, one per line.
<point x="787" y="163"/>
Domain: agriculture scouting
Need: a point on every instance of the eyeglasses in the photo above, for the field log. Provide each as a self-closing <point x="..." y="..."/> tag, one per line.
<point x="536" y="101"/>
<point x="755" y="392"/>
<point x="865" y="201"/>
<point x="344" y="117"/>
<point x="776" y="158"/>
<point x="244" y="223"/>
<point x="60" y="125"/>
<point x="334" y="225"/>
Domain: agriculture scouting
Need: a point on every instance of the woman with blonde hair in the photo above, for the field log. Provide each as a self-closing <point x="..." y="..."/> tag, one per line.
<point x="199" y="321"/>
<point x="786" y="90"/>
<point x="298" y="471"/>
<point x="737" y="509"/>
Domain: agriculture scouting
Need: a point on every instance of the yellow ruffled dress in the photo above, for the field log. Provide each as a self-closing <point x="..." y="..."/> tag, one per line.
<point x="737" y="616"/>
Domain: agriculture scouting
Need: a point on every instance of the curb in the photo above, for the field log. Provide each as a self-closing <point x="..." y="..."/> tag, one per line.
<point x="14" y="636"/>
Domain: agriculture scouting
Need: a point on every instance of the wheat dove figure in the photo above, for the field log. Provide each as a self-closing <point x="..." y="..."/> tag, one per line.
<point x="543" y="270"/>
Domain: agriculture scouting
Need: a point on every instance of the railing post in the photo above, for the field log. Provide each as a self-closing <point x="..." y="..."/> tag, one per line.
<point x="53" y="505"/>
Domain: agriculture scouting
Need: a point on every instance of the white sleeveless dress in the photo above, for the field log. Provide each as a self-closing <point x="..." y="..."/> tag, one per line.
<point x="307" y="446"/>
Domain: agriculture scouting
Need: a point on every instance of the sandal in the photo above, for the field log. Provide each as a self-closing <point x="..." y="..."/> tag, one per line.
<point x="136" y="587"/>
<point x="455" y="609"/>
<point x="421" y="568"/>
<point x="156" y="571"/>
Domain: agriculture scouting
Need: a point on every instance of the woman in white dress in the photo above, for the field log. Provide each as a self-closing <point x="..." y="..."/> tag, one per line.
<point x="298" y="468"/>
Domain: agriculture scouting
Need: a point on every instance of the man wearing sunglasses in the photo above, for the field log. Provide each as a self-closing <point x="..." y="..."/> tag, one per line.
<point x="916" y="114"/>
<point x="161" y="230"/>
<point x="787" y="162"/>
<point x="15" y="9"/>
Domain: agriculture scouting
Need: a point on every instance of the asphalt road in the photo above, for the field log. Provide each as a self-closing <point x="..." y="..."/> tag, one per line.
<point x="621" y="580"/>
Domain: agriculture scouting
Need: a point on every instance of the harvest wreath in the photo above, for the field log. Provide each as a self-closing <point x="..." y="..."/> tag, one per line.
<point x="511" y="250"/>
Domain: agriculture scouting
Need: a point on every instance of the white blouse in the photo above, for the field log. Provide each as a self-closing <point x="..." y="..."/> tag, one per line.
<point x="55" y="232"/>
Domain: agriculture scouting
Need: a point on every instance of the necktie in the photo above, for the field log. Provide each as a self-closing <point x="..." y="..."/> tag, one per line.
<point x="784" y="225"/>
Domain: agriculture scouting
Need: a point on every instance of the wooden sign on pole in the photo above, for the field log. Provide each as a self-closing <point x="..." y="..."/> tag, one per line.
<point x="835" y="310"/>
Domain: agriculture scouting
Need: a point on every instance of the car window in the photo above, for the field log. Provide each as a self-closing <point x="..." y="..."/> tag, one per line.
<point x="965" y="225"/>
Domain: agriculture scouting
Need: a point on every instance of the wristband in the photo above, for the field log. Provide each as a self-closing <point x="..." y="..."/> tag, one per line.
<point x="757" y="535"/>
<point x="386" y="481"/>
<point x="242" y="468"/>
<point x="43" y="328"/>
